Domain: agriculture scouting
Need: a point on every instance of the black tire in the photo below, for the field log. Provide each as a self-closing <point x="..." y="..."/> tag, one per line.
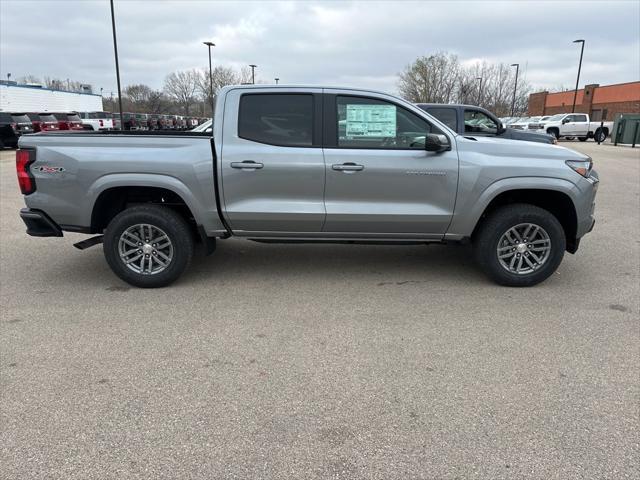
<point x="600" y="135"/>
<point x="490" y="232"/>
<point x="555" y="132"/>
<point x="582" y="139"/>
<point x="163" y="218"/>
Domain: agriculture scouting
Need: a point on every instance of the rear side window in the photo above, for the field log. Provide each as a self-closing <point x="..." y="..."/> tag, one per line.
<point x="277" y="119"/>
<point x="448" y="116"/>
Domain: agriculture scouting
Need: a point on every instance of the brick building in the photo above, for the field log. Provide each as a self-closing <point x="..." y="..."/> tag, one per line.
<point x="601" y="103"/>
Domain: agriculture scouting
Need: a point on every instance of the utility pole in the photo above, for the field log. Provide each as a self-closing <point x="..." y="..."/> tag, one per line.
<point x="575" y="93"/>
<point x="210" y="44"/>
<point x="253" y="74"/>
<point x="515" y="88"/>
<point x="115" y="50"/>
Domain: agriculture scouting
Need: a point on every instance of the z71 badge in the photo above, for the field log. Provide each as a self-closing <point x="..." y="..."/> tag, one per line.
<point x="47" y="169"/>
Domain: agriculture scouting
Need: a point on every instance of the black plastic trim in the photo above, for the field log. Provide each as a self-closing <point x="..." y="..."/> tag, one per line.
<point x="39" y="224"/>
<point x="216" y="190"/>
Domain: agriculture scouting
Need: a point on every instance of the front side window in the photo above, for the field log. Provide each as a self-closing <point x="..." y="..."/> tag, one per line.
<point x="277" y="119"/>
<point x="372" y="123"/>
<point x="479" y="122"/>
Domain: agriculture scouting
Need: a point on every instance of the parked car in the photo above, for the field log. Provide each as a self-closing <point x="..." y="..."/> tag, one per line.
<point x="152" y="122"/>
<point x="68" y="121"/>
<point x="117" y="121"/>
<point x="521" y="123"/>
<point x="130" y="122"/>
<point x="568" y="125"/>
<point x="206" y="127"/>
<point x="96" y="120"/>
<point x="469" y="119"/>
<point x="366" y="167"/>
<point x="12" y="125"/>
<point x="43" y="122"/>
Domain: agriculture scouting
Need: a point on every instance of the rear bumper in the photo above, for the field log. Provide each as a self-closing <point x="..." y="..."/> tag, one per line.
<point x="39" y="224"/>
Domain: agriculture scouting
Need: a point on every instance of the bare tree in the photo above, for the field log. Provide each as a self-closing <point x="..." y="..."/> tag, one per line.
<point x="181" y="87"/>
<point x="431" y="79"/>
<point x="440" y="78"/>
<point x="221" y="76"/>
<point x="28" y="79"/>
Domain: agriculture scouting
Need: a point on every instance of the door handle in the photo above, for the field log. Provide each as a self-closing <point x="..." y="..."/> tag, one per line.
<point x="347" y="167"/>
<point x="247" y="165"/>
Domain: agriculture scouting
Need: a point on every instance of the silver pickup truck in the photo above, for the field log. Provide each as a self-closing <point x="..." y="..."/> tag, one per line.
<point x="308" y="164"/>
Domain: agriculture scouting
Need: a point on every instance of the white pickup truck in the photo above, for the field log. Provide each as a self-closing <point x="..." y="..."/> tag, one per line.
<point x="573" y="125"/>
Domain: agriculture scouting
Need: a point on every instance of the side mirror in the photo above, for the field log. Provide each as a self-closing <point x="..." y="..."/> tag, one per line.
<point x="436" y="142"/>
<point x="565" y="120"/>
<point x="501" y="128"/>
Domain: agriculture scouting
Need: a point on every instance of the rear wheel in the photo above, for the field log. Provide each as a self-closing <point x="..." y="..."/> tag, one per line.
<point x="148" y="246"/>
<point x="582" y="139"/>
<point x="600" y="135"/>
<point x="519" y="245"/>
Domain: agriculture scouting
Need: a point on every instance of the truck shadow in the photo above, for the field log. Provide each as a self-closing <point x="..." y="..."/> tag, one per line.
<point x="383" y="264"/>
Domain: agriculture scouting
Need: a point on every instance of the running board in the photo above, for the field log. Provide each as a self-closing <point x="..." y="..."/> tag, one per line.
<point x="89" y="242"/>
<point x="345" y="242"/>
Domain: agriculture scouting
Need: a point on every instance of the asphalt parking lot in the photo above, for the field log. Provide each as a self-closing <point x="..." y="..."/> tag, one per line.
<point x="315" y="361"/>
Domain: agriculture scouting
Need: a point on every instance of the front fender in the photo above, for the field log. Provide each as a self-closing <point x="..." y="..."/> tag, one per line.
<point x="471" y="205"/>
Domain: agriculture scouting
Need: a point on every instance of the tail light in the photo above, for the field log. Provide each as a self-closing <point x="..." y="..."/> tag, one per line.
<point x="101" y="123"/>
<point x="14" y="126"/>
<point x="24" y="159"/>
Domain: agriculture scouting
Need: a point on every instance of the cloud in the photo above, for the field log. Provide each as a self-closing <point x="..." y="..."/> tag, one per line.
<point x="350" y="43"/>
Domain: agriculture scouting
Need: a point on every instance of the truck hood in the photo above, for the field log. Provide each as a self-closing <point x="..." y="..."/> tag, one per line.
<point x="502" y="147"/>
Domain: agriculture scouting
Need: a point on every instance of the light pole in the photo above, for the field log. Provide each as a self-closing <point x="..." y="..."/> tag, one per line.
<point x="479" y="90"/>
<point x="515" y="88"/>
<point x="210" y="44"/>
<point x="115" y="50"/>
<point x="8" y="77"/>
<point x="253" y="74"/>
<point x="277" y="80"/>
<point x="575" y="93"/>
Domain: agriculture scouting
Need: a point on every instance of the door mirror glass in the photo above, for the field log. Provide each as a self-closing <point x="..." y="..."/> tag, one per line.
<point x="436" y="142"/>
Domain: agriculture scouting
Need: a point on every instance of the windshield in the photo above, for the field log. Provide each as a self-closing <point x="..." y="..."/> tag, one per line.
<point x="21" y="118"/>
<point x="73" y="117"/>
<point x="47" y="117"/>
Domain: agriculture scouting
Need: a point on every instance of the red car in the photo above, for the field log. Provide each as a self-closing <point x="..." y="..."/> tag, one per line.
<point x="43" y="122"/>
<point x="69" y="121"/>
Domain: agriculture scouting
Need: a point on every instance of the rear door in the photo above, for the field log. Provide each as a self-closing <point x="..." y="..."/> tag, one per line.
<point x="381" y="182"/>
<point x="272" y="162"/>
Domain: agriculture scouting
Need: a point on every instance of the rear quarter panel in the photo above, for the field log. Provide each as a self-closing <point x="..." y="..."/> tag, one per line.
<point x="92" y="163"/>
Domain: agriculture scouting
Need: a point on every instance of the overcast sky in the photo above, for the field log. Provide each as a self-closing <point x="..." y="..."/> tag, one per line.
<point x="361" y="44"/>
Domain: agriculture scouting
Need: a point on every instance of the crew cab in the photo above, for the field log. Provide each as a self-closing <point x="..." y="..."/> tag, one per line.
<point x="308" y="164"/>
<point x="465" y="119"/>
<point x="566" y="125"/>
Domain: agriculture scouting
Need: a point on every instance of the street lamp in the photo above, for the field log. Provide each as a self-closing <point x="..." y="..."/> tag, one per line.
<point x="277" y="80"/>
<point x="515" y="88"/>
<point x="575" y="93"/>
<point x="253" y="73"/>
<point x="115" y="50"/>
<point x="209" y="45"/>
<point x="479" y="90"/>
<point x="8" y="77"/>
<point x="101" y="91"/>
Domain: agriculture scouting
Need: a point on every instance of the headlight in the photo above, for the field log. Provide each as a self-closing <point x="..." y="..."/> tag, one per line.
<point x="583" y="167"/>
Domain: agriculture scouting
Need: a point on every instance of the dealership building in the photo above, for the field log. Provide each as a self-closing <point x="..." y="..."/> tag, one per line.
<point x="15" y="97"/>
<point x="601" y="103"/>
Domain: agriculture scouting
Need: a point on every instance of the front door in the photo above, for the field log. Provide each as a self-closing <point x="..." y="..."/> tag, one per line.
<point x="380" y="181"/>
<point x="272" y="163"/>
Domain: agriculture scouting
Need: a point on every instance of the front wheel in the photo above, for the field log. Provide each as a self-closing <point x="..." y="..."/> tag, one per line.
<point x="148" y="246"/>
<point x="519" y="245"/>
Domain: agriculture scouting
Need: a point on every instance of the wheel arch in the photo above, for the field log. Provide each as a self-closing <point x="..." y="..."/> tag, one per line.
<point x="555" y="201"/>
<point x="114" y="193"/>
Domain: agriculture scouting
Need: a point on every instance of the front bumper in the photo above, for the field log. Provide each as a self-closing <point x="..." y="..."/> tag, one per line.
<point x="39" y="224"/>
